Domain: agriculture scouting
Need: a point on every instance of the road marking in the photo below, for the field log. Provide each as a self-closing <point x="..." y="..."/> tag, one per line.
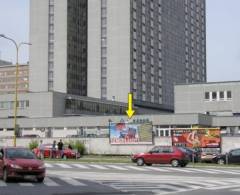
<point x="80" y="166"/>
<point x="222" y="187"/>
<point x="48" y="165"/>
<point x="192" y="185"/>
<point x="222" y="171"/>
<point x="64" y="165"/>
<point x="202" y="170"/>
<point x="156" y="187"/>
<point x="117" y="167"/>
<point x="221" y="183"/>
<point x="180" y="170"/>
<point x="26" y="184"/>
<point x="236" y="190"/>
<point x="49" y="182"/>
<point x="99" y="167"/>
<point x="157" y="169"/>
<point x="2" y="183"/>
<point x="202" y="184"/>
<point x="72" y="181"/>
<point x="136" y="168"/>
<point x="172" y="187"/>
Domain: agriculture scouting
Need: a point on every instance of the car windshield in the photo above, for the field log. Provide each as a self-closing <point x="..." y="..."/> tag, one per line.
<point x="19" y="153"/>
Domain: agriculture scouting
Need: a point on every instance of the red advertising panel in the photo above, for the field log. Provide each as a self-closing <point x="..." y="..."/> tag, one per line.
<point x="196" y="137"/>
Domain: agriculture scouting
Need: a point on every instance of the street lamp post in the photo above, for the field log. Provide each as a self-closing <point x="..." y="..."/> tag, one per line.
<point x="16" y="83"/>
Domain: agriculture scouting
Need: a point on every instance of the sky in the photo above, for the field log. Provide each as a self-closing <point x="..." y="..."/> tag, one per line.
<point x="223" y="36"/>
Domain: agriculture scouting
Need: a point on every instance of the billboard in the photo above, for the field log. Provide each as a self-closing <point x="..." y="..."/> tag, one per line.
<point x="130" y="133"/>
<point x="196" y="137"/>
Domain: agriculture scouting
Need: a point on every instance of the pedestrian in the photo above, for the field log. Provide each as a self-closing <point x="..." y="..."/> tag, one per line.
<point x="70" y="147"/>
<point x="54" y="149"/>
<point x="60" y="148"/>
<point x="41" y="149"/>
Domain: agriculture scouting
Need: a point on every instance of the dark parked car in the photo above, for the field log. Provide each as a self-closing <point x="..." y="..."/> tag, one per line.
<point x="232" y="157"/>
<point x="193" y="154"/>
<point x="20" y="163"/>
<point x="208" y="154"/>
<point x="162" y="155"/>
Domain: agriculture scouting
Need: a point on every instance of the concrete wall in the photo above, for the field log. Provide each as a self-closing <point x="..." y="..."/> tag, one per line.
<point x="229" y="143"/>
<point x="96" y="145"/>
<point x="102" y="145"/>
<point x="58" y="104"/>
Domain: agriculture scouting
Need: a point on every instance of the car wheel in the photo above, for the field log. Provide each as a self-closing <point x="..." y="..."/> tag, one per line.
<point x="5" y="175"/>
<point x="40" y="179"/>
<point x="175" y="163"/>
<point x="221" y="162"/>
<point x="148" y="164"/>
<point x="140" y="162"/>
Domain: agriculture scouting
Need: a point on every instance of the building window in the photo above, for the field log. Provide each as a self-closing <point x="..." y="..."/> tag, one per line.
<point x="161" y="133"/>
<point x="167" y="133"/>
<point x="221" y="95"/>
<point x="214" y="95"/>
<point x="207" y="96"/>
<point x="229" y="95"/>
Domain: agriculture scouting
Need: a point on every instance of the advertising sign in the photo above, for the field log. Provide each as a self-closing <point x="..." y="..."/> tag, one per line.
<point x="196" y="137"/>
<point x="130" y="133"/>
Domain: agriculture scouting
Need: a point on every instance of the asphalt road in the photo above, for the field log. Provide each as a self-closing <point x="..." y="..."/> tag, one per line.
<point x="78" y="179"/>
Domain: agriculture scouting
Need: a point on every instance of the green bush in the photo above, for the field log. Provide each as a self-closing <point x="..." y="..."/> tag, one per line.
<point x="80" y="147"/>
<point x="33" y="144"/>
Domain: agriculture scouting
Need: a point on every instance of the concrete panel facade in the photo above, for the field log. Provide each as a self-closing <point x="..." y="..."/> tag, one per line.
<point x="191" y="98"/>
<point x="60" y="46"/>
<point x="118" y="50"/>
<point x="39" y="104"/>
<point x="94" y="49"/>
<point x="38" y="53"/>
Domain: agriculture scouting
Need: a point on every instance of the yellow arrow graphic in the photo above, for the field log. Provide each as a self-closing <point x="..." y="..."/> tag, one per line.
<point x="130" y="112"/>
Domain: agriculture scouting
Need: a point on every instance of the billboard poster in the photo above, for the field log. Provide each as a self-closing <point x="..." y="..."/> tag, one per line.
<point x="131" y="133"/>
<point x="196" y="137"/>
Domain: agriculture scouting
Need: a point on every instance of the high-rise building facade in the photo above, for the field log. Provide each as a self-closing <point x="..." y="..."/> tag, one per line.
<point x="58" y="58"/>
<point x="108" y="48"/>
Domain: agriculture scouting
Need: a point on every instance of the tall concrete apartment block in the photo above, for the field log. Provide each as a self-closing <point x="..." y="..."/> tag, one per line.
<point x="108" y="48"/>
<point x="58" y="57"/>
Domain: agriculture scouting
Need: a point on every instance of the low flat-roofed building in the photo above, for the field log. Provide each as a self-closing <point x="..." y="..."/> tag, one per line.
<point x="214" y="98"/>
<point x="54" y="114"/>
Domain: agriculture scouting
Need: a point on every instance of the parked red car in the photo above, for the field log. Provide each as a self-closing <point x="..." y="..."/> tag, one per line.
<point x="162" y="155"/>
<point x="20" y="163"/>
<point x="47" y="151"/>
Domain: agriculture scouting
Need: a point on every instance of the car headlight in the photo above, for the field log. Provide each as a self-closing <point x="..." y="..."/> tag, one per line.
<point x="42" y="166"/>
<point x="15" y="166"/>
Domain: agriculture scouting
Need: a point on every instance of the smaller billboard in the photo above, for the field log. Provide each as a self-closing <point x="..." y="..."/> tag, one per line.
<point x="196" y="137"/>
<point x="131" y="133"/>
